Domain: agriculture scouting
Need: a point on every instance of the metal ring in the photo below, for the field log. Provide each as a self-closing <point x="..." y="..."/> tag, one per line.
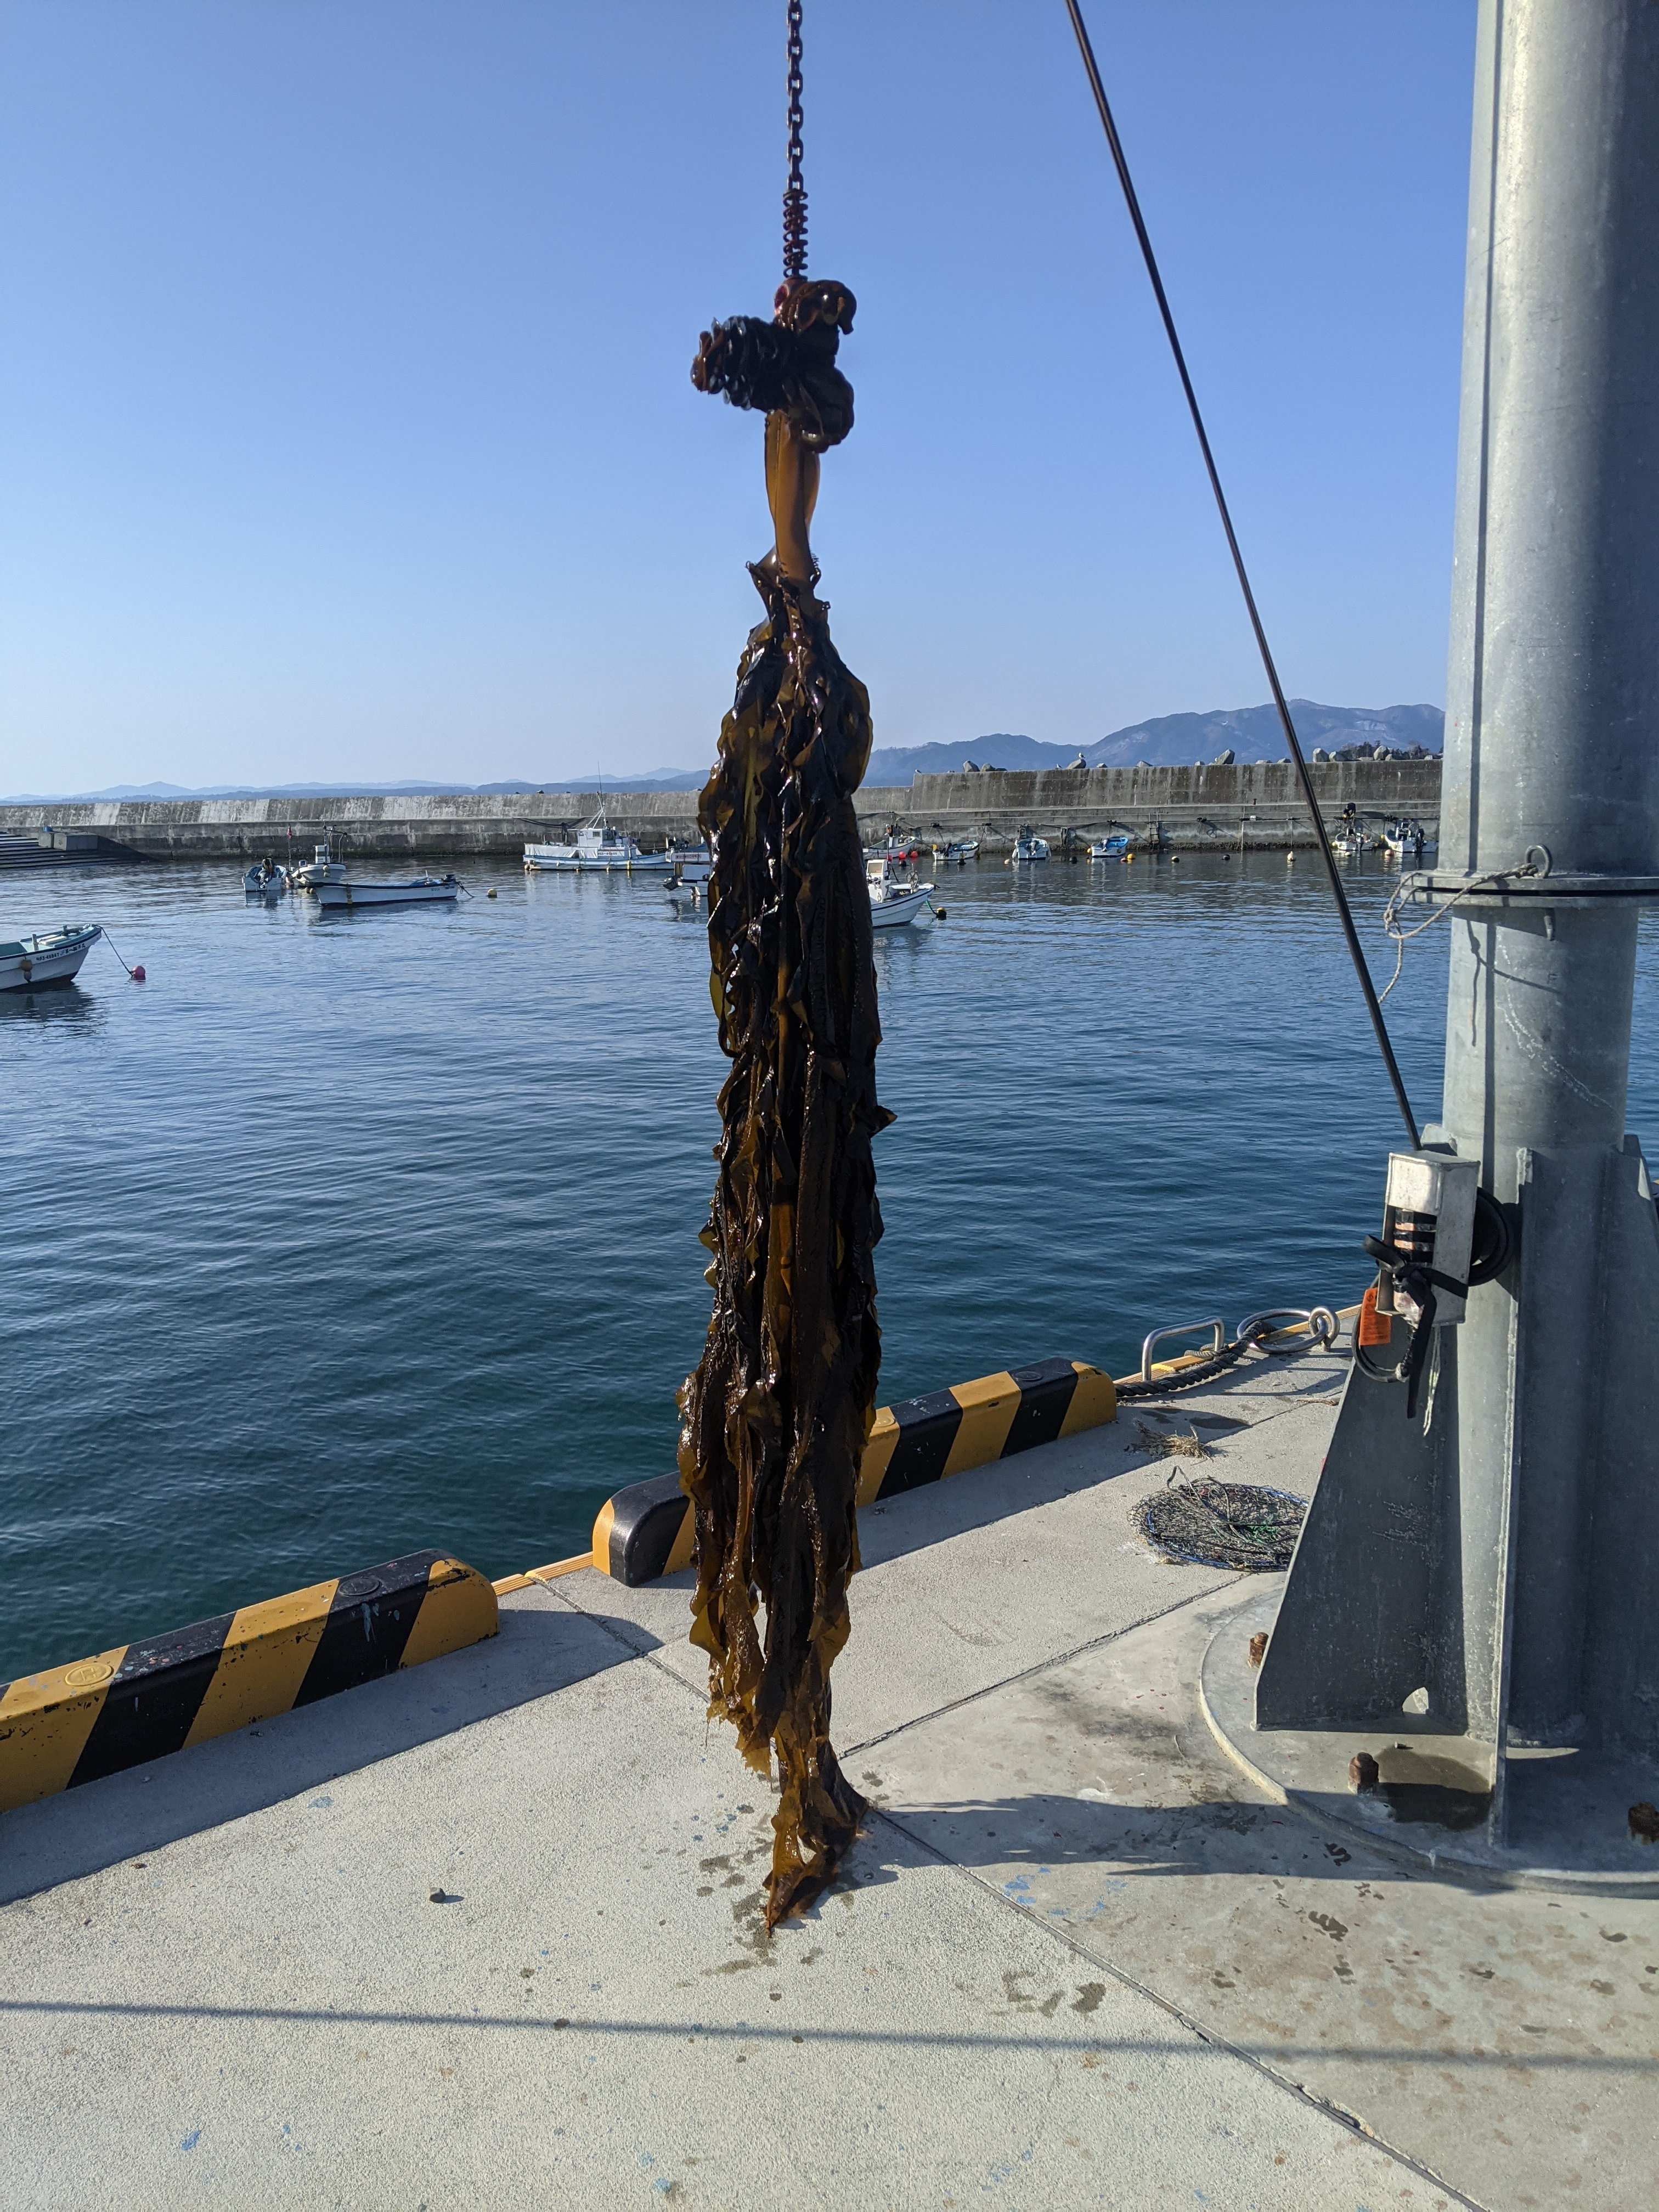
<point x="1320" y="1322"/>
<point x="1543" y="863"/>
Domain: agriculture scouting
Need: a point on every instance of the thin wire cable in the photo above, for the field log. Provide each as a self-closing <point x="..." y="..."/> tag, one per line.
<point x="1373" y="1004"/>
<point x="1493" y="881"/>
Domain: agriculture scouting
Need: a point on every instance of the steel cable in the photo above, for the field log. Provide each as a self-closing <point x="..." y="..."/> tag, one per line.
<point x="1373" y="1004"/>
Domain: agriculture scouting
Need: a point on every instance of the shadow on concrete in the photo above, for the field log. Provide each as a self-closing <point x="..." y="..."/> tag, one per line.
<point x="542" y="1647"/>
<point x="1085" y="1998"/>
<point x="1018" y="1838"/>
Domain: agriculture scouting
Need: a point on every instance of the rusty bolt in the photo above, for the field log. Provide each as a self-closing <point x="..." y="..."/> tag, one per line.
<point x="1362" y="1771"/>
<point x="1258" y="1647"/>
<point x="1644" y="1822"/>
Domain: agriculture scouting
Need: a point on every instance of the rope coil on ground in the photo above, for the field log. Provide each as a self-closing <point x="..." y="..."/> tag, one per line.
<point x="1240" y="1525"/>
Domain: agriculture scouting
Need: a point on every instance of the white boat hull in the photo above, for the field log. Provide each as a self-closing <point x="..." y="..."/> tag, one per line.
<point x="554" y="859"/>
<point x="37" y="963"/>
<point x="898" y="908"/>
<point x="599" y="850"/>
<point x="424" y="890"/>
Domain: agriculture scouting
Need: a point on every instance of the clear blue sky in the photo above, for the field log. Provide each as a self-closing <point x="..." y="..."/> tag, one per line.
<point x="343" y="350"/>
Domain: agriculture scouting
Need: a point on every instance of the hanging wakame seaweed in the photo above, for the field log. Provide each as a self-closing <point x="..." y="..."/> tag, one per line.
<point x="778" y="1410"/>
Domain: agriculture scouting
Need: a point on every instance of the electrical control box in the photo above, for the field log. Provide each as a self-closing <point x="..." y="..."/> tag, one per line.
<point x="1428" y="1214"/>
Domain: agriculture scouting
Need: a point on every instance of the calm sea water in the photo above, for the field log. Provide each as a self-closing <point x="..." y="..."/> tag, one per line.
<point x="345" y="1235"/>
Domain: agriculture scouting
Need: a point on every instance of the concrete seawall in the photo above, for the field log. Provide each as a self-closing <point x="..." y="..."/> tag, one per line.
<point x="1188" y="808"/>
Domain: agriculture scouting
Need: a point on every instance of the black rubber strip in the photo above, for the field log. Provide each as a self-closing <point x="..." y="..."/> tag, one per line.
<point x="1046" y="1392"/>
<point x="645" y="1519"/>
<point x="927" y="1429"/>
<point x="368" y="1625"/>
<point x="156" y="1693"/>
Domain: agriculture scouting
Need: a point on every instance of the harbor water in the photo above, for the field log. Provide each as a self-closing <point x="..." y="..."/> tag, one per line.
<point x="345" y="1235"/>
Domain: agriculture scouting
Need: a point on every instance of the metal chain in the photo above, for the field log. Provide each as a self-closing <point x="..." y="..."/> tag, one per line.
<point x="794" y="198"/>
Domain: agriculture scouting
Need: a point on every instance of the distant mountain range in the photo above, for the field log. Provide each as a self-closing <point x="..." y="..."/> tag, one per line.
<point x="1171" y="740"/>
<point x="662" y="779"/>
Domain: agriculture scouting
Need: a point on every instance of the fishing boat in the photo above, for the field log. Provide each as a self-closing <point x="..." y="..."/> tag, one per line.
<point x="1348" y="844"/>
<point x="690" y="872"/>
<point x="416" y="890"/>
<point x="599" y="848"/>
<point x="1029" y="847"/>
<point x="323" y="869"/>
<point x="49" y="957"/>
<point x="896" y="897"/>
<point x="1406" y="839"/>
<point x="690" y="864"/>
<point x="266" y="879"/>
<point x="1114" y="848"/>
<point x="958" y="853"/>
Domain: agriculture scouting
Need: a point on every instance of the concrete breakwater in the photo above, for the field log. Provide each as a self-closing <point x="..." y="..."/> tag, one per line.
<point x="1237" y="806"/>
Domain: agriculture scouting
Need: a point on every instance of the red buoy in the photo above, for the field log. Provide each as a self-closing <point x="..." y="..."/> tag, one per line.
<point x="137" y="974"/>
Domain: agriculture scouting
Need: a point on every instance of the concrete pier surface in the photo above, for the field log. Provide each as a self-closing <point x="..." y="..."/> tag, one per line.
<point x="1077" y="1957"/>
<point x="1223" y="808"/>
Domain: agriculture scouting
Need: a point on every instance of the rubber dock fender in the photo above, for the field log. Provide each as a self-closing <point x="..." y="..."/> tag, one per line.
<point x="644" y="1532"/>
<point x="138" y="1701"/>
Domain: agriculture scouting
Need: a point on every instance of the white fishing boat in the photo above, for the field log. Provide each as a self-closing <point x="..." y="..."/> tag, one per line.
<point x="1029" y="847"/>
<point x="896" y="897"/>
<point x="265" y="880"/>
<point x="1407" y="840"/>
<point x="50" y="957"/>
<point x="958" y="853"/>
<point x="599" y="849"/>
<point x="1114" y="848"/>
<point x="690" y="864"/>
<point x="1348" y="844"/>
<point x="323" y="869"/>
<point x="415" y="891"/>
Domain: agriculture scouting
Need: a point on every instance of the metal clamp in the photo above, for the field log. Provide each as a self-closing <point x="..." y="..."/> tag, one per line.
<point x="1218" y="1334"/>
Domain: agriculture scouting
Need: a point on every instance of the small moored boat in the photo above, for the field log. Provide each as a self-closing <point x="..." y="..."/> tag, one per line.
<point x="323" y="869"/>
<point x="1113" y="848"/>
<point x="689" y="865"/>
<point x="265" y="880"/>
<point x="599" y="849"/>
<point x="417" y="890"/>
<point x="50" y="957"/>
<point x="896" y="897"/>
<point x="958" y="853"/>
<point x="1028" y="846"/>
<point x="1407" y="840"/>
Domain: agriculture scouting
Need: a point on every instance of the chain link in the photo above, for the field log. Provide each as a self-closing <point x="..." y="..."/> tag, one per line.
<point x="794" y="198"/>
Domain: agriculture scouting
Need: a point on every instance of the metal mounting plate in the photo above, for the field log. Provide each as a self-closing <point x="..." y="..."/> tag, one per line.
<point x="1430" y="887"/>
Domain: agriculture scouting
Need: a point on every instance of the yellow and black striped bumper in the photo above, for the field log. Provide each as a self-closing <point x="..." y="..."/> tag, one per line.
<point x="645" y="1531"/>
<point x="72" y="1724"/>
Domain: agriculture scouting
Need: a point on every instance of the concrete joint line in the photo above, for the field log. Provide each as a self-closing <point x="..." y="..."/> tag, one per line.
<point x="1323" y="2105"/>
<point x="1040" y="1666"/>
<point x="616" y="1637"/>
<point x="1194" y="2027"/>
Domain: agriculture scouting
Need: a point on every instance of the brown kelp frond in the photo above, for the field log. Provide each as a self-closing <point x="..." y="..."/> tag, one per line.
<point x="786" y="366"/>
<point x="778" y="1410"/>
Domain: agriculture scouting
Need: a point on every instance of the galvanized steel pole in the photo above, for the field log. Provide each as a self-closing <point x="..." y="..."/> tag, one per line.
<point x="1489" y="1564"/>
<point x="1552" y="742"/>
